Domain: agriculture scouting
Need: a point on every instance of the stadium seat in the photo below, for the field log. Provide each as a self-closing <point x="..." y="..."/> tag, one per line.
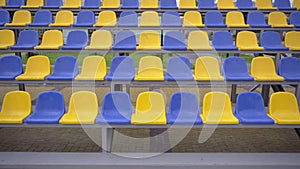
<point x="14" y="4"/>
<point x="121" y="69"/>
<point x="100" y="40"/>
<point x="91" y="4"/>
<point x="283" y="108"/>
<point x="263" y="69"/>
<point x="69" y="4"/>
<point x="198" y="40"/>
<point x="106" y="18"/>
<point x="184" y="109"/>
<point x="7" y="39"/>
<point x="294" y="19"/>
<point x="226" y="5"/>
<point x="192" y="18"/>
<point x="235" y="69"/>
<point x="214" y="19"/>
<point x="20" y="18"/>
<point x="33" y="4"/>
<point x="83" y="109"/>
<point x="63" y="18"/>
<point x="52" y="39"/>
<point x="85" y="18"/>
<point x="207" y="5"/>
<point x="41" y="18"/>
<point x="168" y="4"/>
<point x="271" y="40"/>
<point x="128" y="19"/>
<point x="52" y="4"/>
<point x="250" y="109"/>
<point x="27" y="40"/>
<point x="37" y="68"/>
<point x="296" y="4"/>
<point x="179" y="69"/>
<point x="257" y="20"/>
<point x="150" y="69"/>
<point x="245" y="5"/>
<point x="50" y="107"/>
<point x="76" y="40"/>
<point x="10" y="67"/>
<point x="217" y="109"/>
<point x="278" y="20"/>
<point x="292" y="40"/>
<point x="93" y="68"/>
<point x="171" y="19"/>
<point x="207" y="68"/>
<point x="264" y="5"/>
<point x="107" y="4"/>
<point x="149" y="4"/>
<point x="16" y="107"/>
<point x="150" y="109"/>
<point x="149" y="18"/>
<point x="116" y="109"/>
<point x="235" y="19"/>
<point x="125" y="40"/>
<point x="65" y="68"/>
<point x="283" y="5"/>
<point x="174" y="40"/>
<point x="289" y="68"/>
<point x="149" y="40"/>
<point x="222" y="40"/>
<point x="246" y="40"/>
<point x="187" y="4"/>
<point x="131" y="4"/>
<point x="2" y="3"/>
<point x="4" y="17"/>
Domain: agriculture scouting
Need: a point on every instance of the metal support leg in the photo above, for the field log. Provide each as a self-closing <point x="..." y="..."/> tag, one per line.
<point x="107" y="139"/>
<point x="128" y="89"/>
<point x="297" y="93"/>
<point x="22" y="87"/>
<point x="265" y="94"/>
<point x="118" y="87"/>
<point x="233" y="93"/>
<point x="277" y="60"/>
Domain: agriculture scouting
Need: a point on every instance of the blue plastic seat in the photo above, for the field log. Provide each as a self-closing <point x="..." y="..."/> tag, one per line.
<point x="245" y="5"/>
<point x="50" y="107"/>
<point x="91" y="4"/>
<point x="170" y="19"/>
<point x="271" y="40"/>
<point x="257" y="20"/>
<point x="283" y="5"/>
<point x="250" y="109"/>
<point x="121" y="69"/>
<point x="65" y="68"/>
<point x="128" y="18"/>
<point x="10" y="67"/>
<point x="222" y="40"/>
<point x="116" y="109"/>
<point x="41" y="18"/>
<point x="85" y="18"/>
<point x="125" y="40"/>
<point x="184" y="109"/>
<point x="289" y="68"/>
<point x="76" y="40"/>
<point x="235" y="69"/>
<point x="52" y="4"/>
<point x="4" y="17"/>
<point x="179" y="69"/>
<point x="174" y="40"/>
<point x="295" y="19"/>
<point x="168" y="4"/>
<point x="206" y="4"/>
<point x="27" y="40"/>
<point x="129" y="4"/>
<point x="214" y="20"/>
<point x="14" y="4"/>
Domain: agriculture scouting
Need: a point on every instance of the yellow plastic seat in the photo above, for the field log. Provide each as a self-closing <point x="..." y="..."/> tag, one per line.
<point x="83" y="109"/>
<point x="63" y="18"/>
<point x="198" y="40"/>
<point x="149" y="4"/>
<point x="93" y="68"/>
<point x="226" y="5"/>
<point x="264" y="5"/>
<point x="37" y="68"/>
<point x="217" y="109"/>
<point x="100" y="40"/>
<point x="33" y="4"/>
<point x="150" y="69"/>
<point x="283" y="108"/>
<point x="149" y="40"/>
<point x="207" y="69"/>
<point x="192" y="18"/>
<point x="150" y="109"/>
<point x="2" y="2"/>
<point x="292" y="40"/>
<point x="149" y="18"/>
<point x="187" y="4"/>
<point x="296" y="4"/>
<point x="106" y="4"/>
<point x="278" y="20"/>
<point x="236" y="19"/>
<point x="16" y="107"/>
<point x="263" y="69"/>
<point x="20" y="18"/>
<point x="69" y="4"/>
<point x="106" y="18"/>
<point x="7" y="39"/>
<point x="52" y="39"/>
<point x="247" y="40"/>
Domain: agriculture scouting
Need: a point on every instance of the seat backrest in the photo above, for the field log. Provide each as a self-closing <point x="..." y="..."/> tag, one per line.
<point x="222" y="38"/>
<point x="283" y="103"/>
<point x="83" y="104"/>
<point x="117" y="103"/>
<point x="192" y="18"/>
<point x="4" y="17"/>
<point x="296" y="4"/>
<point x="246" y="38"/>
<point x="22" y="16"/>
<point x="150" y="18"/>
<point x="7" y="37"/>
<point x="10" y="66"/>
<point x="107" y="18"/>
<point x="235" y="65"/>
<point x="244" y="3"/>
<point x="187" y="3"/>
<point x="66" y="65"/>
<point x="149" y="38"/>
<point x="52" y="37"/>
<point x="207" y="66"/>
<point x="263" y="3"/>
<point x="150" y="101"/>
<point x="171" y="19"/>
<point x="184" y="104"/>
<point x="213" y="17"/>
<point x="15" y="2"/>
<point x="206" y="3"/>
<point x="16" y="102"/>
<point x="51" y="103"/>
<point x="43" y="16"/>
<point x="92" y="3"/>
<point x="216" y="104"/>
<point x="282" y="3"/>
<point x="122" y="65"/>
<point x="28" y="37"/>
<point x="149" y="4"/>
<point x="198" y="40"/>
<point x="77" y="37"/>
<point x="168" y="4"/>
<point x="294" y="18"/>
<point x="72" y="2"/>
<point x="250" y="103"/>
<point x="179" y="65"/>
<point x="270" y="38"/>
<point x="225" y="3"/>
<point x="35" y="3"/>
<point x="174" y="38"/>
<point x="262" y="66"/>
<point x="289" y="66"/>
<point x="292" y="39"/>
<point x="256" y="18"/>
<point x="38" y="64"/>
<point x="125" y="38"/>
<point x="101" y="38"/>
<point x="110" y="3"/>
<point x="128" y="18"/>
<point x="57" y="3"/>
<point x="234" y="17"/>
<point x="277" y="18"/>
<point x="150" y="66"/>
<point x="93" y="66"/>
<point x="64" y="16"/>
<point x="85" y="17"/>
